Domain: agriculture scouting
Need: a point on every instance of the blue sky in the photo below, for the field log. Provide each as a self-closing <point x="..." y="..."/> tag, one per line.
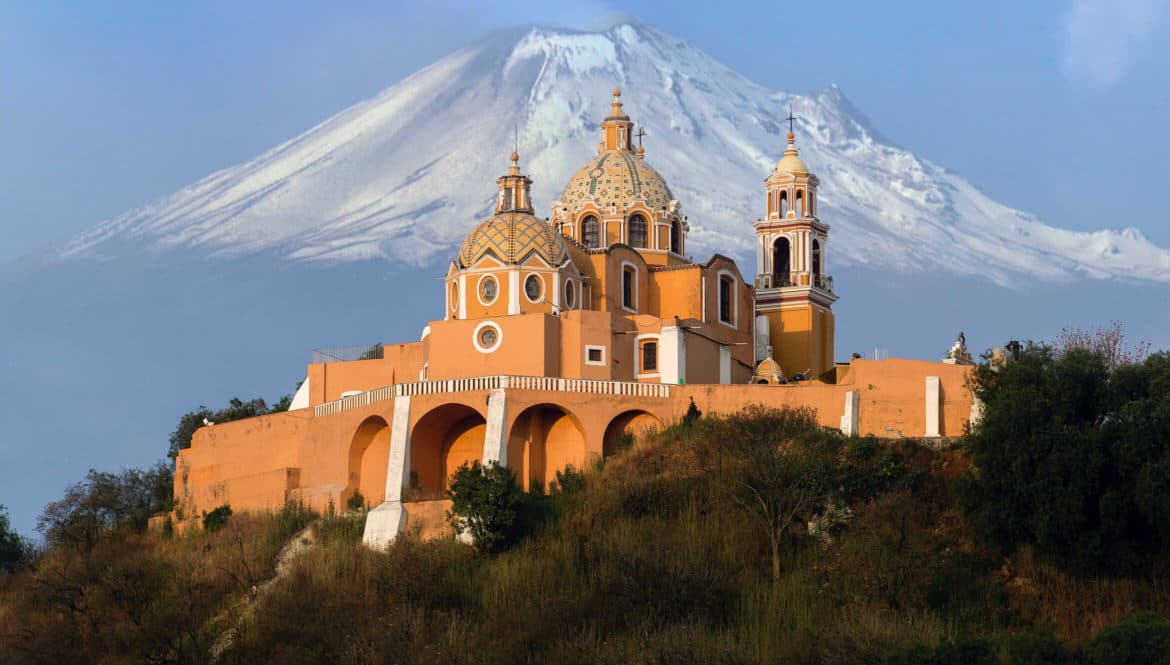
<point x="1056" y="108"/>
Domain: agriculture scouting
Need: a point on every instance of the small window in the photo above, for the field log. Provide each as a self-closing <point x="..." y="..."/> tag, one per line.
<point x="800" y="203"/>
<point x="628" y="289"/>
<point x="590" y="232"/>
<point x="488" y="338"/>
<point x="594" y="355"/>
<point x="816" y="257"/>
<point x="637" y="231"/>
<point x="487" y="290"/>
<point x="725" y="299"/>
<point x="532" y="287"/>
<point x="509" y="199"/>
<point x="783" y="204"/>
<point x="454" y="296"/>
<point x="570" y="295"/>
<point x="674" y="245"/>
<point x="650" y="357"/>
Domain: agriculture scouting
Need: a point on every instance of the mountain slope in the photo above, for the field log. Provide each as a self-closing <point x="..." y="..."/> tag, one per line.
<point x="405" y="174"/>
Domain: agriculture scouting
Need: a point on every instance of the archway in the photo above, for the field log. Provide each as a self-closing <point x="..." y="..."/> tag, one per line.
<point x="631" y="423"/>
<point x="781" y="254"/>
<point x="544" y="439"/>
<point x="369" y="453"/>
<point x="440" y="442"/>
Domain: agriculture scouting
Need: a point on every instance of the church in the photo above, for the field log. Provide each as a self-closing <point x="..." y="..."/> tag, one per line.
<point x="563" y="336"/>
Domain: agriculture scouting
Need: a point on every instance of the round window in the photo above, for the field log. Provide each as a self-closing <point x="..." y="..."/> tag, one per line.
<point x="570" y="295"/>
<point x="532" y="287"/>
<point x="487" y="289"/>
<point x="488" y="338"/>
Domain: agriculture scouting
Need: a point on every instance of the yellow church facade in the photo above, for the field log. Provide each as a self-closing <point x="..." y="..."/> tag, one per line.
<point x="560" y="336"/>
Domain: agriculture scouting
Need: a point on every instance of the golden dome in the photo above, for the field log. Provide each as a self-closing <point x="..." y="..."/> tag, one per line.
<point x="616" y="177"/>
<point x="511" y="237"/>
<point x="768" y="366"/>
<point x="791" y="161"/>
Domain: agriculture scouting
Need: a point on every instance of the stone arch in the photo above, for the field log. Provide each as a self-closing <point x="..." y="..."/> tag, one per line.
<point x="369" y="453"/>
<point x="634" y="421"/>
<point x="440" y="441"/>
<point x="544" y="439"/>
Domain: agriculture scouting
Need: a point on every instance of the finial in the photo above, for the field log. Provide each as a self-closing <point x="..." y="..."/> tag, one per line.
<point x="617" y="102"/>
<point x="791" y="118"/>
<point x="641" y="152"/>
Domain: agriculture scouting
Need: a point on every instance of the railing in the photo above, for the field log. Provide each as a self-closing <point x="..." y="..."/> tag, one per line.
<point x="547" y="383"/>
<point x="345" y="353"/>
<point x="769" y="281"/>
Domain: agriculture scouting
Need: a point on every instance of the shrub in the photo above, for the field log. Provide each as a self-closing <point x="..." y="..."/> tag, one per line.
<point x="485" y="505"/>
<point x="356" y="502"/>
<point x="1142" y="639"/>
<point x="217" y="518"/>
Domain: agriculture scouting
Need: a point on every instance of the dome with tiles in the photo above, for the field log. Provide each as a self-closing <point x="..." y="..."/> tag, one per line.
<point x="513" y="237"/>
<point x="616" y="177"/>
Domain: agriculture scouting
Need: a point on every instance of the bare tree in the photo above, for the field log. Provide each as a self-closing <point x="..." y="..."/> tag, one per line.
<point x="1109" y="341"/>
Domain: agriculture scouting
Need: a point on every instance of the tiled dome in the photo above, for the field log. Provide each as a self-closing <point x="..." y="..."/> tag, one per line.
<point x="616" y="177"/>
<point x="511" y="237"/>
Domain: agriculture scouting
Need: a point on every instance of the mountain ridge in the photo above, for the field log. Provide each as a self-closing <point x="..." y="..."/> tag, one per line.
<point x="403" y="175"/>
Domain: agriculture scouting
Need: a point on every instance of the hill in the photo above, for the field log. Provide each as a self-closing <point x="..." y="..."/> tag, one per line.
<point x="645" y="558"/>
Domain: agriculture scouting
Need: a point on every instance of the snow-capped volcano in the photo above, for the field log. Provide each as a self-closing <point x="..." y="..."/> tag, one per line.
<point x="406" y="174"/>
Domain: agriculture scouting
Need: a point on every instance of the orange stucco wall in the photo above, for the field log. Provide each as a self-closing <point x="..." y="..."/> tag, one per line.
<point x="260" y="462"/>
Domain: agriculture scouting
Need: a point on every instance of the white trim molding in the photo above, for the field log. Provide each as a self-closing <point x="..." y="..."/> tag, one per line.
<point x="479" y="288"/>
<point x="633" y="286"/>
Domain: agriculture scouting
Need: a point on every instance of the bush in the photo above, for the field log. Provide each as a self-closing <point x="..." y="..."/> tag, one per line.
<point x="356" y="502"/>
<point x="1073" y="455"/>
<point x="1032" y="649"/>
<point x="973" y="652"/>
<point x="1142" y="639"/>
<point x="217" y="519"/>
<point x="485" y="505"/>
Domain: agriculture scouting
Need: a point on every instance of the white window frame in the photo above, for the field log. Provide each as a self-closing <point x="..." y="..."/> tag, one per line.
<point x="479" y="288"/>
<point x="633" y="286"/>
<point x="499" y="337"/>
<point x="595" y="347"/>
<point x="524" y="287"/>
<point x="720" y="274"/>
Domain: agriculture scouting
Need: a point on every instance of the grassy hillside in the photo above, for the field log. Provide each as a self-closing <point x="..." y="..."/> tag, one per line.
<point x="652" y="560"/>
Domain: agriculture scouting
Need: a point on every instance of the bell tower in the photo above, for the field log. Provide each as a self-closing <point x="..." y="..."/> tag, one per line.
<point x="794" y="293"/>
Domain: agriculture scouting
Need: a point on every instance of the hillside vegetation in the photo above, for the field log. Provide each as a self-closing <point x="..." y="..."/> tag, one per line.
<point x="754" y="537"/>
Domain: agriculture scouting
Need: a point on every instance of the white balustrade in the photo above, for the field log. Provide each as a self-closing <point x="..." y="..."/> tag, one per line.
<point x="484" y="383"/>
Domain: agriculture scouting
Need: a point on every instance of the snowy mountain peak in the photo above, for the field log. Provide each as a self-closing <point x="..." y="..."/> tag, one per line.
<point x="405" y="174"/>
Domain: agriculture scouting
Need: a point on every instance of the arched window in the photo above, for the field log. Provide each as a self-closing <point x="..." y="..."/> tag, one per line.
<point x="781" y="258"/>
<point x="783" y="204"/>
<point x="589" y="232"/>
<point x="812" y="209"/>
<point x="637" y="231"/>
<point x="674" y="237"/>
<point x="725" y="305"/>
<point x="650" y="356"/>
<point x="800" y="203"/>
<point x="816" y="257"/>
<point x="628" y="288"/>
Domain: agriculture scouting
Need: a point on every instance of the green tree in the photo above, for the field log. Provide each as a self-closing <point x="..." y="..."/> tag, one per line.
<point x="1142" y="639"/>
<point x="485" y="504"/>
<point x="778" y="466"/>
<point x="12" y="547"/>
<point x="103" y="502"/>
<point x="1073" y="455"/>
